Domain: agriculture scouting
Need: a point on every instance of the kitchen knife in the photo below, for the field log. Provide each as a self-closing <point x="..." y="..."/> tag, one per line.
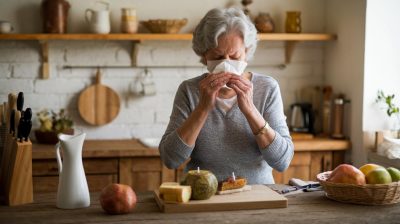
<point x="12" y="122"/>
<point x="11" y="104"/>
<point x="20" y="102"/>
<point x="1" y="115"/>
<point x="5" y="106"/>
<point x="17" y="118"/>
<point x="27" y="124"/>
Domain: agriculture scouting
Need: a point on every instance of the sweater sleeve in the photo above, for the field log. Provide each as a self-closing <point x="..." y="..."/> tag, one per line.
<point x="280" y="152"/>
<point x="173" y="150"/>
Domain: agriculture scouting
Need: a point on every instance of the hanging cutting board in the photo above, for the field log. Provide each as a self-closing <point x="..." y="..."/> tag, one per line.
<point x="98" y="104"/>
<point x="259" y="197"/>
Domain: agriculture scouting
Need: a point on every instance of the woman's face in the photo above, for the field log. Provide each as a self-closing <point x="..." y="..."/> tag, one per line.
<point x="230" y="46"/>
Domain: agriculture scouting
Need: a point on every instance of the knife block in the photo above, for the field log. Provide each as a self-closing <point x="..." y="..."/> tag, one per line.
<point x="16" y="172"/>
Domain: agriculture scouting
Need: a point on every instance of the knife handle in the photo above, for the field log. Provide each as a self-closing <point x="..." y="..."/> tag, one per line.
<point x="20" y="101"/>
<point x="12" y="121"/>
<point x="27" y="125"/>
<point x="17" y="118"/>
<point x="11" y="104"/>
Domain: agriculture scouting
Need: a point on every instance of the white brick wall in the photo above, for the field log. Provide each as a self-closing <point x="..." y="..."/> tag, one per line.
<point x="169" y="63"/>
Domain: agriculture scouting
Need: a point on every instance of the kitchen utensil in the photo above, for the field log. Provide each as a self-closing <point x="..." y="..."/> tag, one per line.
<point x="259" y="197"/>
<point x="302" y="118"/>
<point x="99" y="20"/>
<point x="55" y="16"/>
<point x="25" y="125"/>
<point x="338" y="117"/>
<point x="165" y="25"/>
<point x="11" y="105"/>
<point x="12" y="122"/>
<point x="298" y="184"/>
<point x="20" y="102"/>
<point x="293" y="22"/>
<point x="73" y="191"/>
<point x="129" y="22"/>
<point x="98" y="104"/>
<point x="327" y="110"/>
<point x="17" y="118"/>
<point x="6" y="27"/>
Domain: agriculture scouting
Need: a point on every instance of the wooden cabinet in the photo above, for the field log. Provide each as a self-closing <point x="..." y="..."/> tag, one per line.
<point x="129" y="162"/>
<point x="99" y="173"/>
<point x="306" y="165"/>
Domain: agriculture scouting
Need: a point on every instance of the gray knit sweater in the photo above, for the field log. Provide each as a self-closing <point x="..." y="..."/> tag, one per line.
<point x="226" y="143"/>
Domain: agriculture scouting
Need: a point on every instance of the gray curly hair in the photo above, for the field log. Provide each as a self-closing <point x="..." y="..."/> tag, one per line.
<point x="218" y="22"/>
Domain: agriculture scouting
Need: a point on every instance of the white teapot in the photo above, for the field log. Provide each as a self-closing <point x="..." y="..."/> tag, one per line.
<point x="99" y="20"/>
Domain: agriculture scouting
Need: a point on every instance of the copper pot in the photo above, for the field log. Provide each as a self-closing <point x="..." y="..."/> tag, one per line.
<point x="55" y="16"/>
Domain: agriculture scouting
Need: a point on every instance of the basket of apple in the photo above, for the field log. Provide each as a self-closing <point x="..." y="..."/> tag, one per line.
<point x="371" y="184"/>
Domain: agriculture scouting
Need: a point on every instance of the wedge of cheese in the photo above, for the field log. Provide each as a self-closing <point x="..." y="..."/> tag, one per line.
<point x="172" y="192"/>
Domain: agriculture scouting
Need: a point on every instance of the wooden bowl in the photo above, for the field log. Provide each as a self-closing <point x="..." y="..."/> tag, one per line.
<point x="50" y="137"/>
<point x="165" y="25"/>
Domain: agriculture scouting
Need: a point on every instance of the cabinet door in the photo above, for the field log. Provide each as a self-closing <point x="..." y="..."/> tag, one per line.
<point x="99" y="173"/>
<point x="299" y="168"/>
<point x="141" y="173"/>
<point x="320" y="162"/>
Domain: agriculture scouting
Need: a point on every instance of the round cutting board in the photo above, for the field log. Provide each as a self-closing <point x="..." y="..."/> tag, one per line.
<point x="98" y="104"/>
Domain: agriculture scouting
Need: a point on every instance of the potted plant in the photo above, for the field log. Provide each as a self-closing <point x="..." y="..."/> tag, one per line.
<point x="391" y="110"/>
<point x="51" y="124"/>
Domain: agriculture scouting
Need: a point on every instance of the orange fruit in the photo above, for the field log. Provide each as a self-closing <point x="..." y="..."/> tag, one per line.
<point x="378" y="176"/>
<point x="369" y="167"/>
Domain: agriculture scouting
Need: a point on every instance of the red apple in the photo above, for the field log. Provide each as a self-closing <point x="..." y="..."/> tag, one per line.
<point x="346" y="173"/>
<point x="118" y="199"/>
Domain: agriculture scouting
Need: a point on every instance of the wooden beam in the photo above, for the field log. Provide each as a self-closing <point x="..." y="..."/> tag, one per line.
<point x="45" y="59"/>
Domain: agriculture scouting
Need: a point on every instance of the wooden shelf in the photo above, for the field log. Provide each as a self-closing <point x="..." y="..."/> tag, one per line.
<point x="148" y="36"/>
<point x="290" y="40"/>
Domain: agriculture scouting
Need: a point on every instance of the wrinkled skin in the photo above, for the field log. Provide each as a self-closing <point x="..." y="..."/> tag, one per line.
<point x="204" y="184"/>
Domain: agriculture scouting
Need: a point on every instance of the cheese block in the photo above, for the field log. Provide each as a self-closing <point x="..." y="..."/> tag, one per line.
<point x="172" y="192"/>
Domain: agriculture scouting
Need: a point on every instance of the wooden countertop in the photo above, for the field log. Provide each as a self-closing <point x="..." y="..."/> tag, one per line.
<point x="310" y="207"/>
<point x="133" y="148"/>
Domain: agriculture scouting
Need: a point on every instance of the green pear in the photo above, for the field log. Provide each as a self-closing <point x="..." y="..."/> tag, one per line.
<point x="395" y="173"/>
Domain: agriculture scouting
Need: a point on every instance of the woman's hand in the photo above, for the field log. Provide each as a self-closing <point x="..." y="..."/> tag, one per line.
<point x="244" y="91"/>
<point x="209" y="88"/>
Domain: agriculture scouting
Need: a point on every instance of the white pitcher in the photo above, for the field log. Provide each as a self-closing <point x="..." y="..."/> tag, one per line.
<point x="73" y="191"/>
<point x="98" y="20"/>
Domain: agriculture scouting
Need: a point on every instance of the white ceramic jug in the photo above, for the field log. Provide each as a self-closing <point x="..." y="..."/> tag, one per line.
<point x="98" y="20"/>
<point x="73" y="191"/>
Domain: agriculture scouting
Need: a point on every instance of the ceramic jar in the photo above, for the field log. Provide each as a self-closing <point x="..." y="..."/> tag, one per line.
<point x="264" y="23"/>
<point x="129" y="23"/>
<point x="55" y="16"/>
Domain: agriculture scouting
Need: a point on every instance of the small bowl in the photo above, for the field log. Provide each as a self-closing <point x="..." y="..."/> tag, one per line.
<point x="165" y="25"/>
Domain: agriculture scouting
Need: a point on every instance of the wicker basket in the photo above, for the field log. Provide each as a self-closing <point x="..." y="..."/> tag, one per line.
<point x="165" y="25"/>
<point x="369" y="194"/>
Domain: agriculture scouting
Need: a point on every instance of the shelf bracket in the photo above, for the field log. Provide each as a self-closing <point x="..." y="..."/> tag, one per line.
<point x="45" y="59"/>
<point x="134" y="52"/>
<point x="289" y="48"/>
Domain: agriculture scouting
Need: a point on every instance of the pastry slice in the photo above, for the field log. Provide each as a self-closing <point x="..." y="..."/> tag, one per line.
<point x="232" y="183"/>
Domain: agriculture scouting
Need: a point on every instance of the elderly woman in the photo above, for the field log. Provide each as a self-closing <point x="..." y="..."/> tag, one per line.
<point x="228" y="120"/>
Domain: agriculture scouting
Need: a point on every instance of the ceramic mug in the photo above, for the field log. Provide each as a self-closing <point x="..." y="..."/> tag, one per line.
<point x="6" y="27"/>
<point x="293" y="22"/>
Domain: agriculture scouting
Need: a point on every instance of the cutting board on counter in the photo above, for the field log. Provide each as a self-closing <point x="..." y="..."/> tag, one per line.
<point x="259" y="197"/>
